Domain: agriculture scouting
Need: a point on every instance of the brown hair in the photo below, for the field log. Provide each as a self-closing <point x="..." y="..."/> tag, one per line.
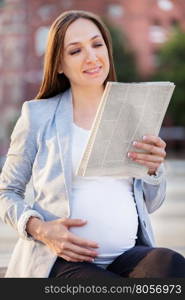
<point x="54" y="83"/>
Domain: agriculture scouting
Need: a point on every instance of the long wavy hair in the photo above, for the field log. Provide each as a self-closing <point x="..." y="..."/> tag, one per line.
<point x="54" y="83"/>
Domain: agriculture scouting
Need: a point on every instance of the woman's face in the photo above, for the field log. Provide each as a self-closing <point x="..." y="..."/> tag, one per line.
<point x="85" y="60"/>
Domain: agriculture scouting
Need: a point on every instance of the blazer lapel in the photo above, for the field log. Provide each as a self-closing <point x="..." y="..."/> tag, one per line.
<point x="63" y="121"/>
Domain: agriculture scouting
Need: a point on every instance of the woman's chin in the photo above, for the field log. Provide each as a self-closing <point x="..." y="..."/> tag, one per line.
<point x="94" y="82"/>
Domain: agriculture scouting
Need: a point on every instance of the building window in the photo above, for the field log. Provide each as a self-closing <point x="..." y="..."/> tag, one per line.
<point x="2" y="2"/>
<point x="174" y="23"/>
<point x="45" y="11"/>
<point x="67" y="4"/>
<point x="165" y="4"/>
<point x="157" y="34"/>
<point x="41" y="40"/>
<point x="115" y="10"/>
<point x="156" y="22"/>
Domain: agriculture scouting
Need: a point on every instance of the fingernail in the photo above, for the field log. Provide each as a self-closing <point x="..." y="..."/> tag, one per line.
<point x="144" y="137"/>
<point x="129" y="155"/>
<point x="134" y="143"/>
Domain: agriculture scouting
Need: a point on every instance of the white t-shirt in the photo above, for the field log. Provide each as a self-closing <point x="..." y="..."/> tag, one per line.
<point x="106" y="203"/>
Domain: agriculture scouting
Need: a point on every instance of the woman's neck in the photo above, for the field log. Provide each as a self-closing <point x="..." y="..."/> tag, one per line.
<point x="87" y="99"/>
<point x="85" y="105"/>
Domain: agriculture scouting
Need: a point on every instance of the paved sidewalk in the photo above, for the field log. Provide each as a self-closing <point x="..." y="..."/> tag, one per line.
<point x="168" y="222"/>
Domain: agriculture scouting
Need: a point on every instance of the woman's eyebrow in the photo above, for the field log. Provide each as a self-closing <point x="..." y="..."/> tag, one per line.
<point x="74" y="43"/>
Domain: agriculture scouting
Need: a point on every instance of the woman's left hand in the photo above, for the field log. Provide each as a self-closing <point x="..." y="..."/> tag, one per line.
<point x="154" y="156"/>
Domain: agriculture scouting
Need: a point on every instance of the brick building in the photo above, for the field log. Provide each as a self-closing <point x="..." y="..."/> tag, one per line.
<point x="23" y="31"/>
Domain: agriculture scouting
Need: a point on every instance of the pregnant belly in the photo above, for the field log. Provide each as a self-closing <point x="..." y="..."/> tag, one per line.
<point x="112" y="222"/>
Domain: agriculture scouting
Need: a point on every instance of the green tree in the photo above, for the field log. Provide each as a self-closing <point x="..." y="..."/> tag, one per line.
<point x="124" y="58"/>
<point x="172" y="68"/>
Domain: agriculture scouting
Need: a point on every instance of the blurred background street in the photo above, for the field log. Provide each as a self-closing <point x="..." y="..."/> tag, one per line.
<point x="168" y="222"/>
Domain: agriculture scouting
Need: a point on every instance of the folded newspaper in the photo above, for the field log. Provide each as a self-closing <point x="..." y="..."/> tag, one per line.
<point x="126" y="113"/>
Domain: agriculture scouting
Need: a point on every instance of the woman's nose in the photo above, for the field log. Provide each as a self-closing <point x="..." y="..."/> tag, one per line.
<point x="91" y="56"/>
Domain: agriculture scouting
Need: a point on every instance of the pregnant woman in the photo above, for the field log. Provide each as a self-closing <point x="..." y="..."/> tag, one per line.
<point x="79" y="227"/>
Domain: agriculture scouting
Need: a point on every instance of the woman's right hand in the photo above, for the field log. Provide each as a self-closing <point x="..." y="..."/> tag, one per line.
<point x="56" y="235"/>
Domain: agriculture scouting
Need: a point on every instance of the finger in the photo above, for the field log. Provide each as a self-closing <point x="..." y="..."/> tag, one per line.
<point x="70" y="256"/>
<point x="155" y="140"/>
<point x="67" y="258"/>
<point x="81" y="250"/>
<point x="146" y="157"/>
<point x="82" y="242"/>
<point x="150" y="148"/>
<point x="148" y="164"/>
<point x="70" y="259"/>
<point x="72" y="222"/>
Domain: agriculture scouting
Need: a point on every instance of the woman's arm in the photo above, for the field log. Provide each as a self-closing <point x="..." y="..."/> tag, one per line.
<point x="154" y="189"/>
<point x="154" y="183"/>
<point x="16" y="173"/>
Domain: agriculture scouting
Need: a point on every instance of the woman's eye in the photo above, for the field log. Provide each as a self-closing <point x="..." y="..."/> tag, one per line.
<point x="74" y="51"/>
<point x="79" y="50"/>
<point x="98" y="45"/>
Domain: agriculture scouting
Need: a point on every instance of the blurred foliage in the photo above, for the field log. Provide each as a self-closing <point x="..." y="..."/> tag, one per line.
<point x="172" y="68"/>
<point x="124" y="58"/>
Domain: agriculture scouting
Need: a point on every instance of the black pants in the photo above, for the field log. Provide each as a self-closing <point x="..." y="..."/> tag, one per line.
<point x="137" y="262"/>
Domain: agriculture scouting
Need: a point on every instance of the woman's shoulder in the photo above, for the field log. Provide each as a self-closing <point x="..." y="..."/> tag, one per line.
<point x="49" y="103"/>
<point x="36" y="112"/>
<point x="41" y="109"/>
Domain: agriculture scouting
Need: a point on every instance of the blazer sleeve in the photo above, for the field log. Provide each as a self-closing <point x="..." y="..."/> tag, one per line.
<point x="154" y="189"/>
<point x="16" y="173"/>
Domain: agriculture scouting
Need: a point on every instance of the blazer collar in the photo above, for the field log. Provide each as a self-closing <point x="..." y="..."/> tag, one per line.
<point x="63" y="121"/>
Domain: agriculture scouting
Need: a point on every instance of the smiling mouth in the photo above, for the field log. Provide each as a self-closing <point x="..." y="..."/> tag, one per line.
<point x="93" y="70"/>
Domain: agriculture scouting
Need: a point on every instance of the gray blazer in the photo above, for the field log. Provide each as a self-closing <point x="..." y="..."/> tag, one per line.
<point x="41" y="147"/>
